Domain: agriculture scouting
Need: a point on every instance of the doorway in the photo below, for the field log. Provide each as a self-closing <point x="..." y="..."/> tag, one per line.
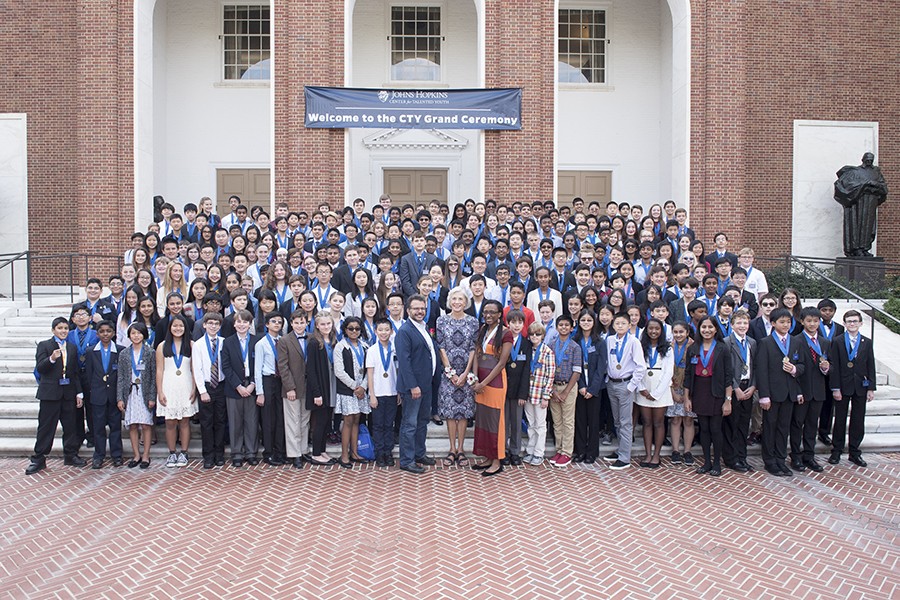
<point x="588" y="185"/>
<point x="252" y="186"/>
<point x="409" y="186"/>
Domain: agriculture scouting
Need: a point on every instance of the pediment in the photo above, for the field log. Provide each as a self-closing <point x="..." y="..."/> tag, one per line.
<point x="432" y="139"/>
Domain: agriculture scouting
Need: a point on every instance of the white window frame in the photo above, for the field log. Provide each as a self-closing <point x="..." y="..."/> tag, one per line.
<point x="607" y="85"/>
<point x="416" y="83"/>
<point x="238" y="83"/>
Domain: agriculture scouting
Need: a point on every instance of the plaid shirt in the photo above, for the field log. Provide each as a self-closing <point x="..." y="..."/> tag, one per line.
<point x="541" y="387"/>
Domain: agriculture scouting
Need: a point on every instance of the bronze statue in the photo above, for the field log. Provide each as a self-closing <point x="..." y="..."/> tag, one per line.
<point x="860" y="190"/>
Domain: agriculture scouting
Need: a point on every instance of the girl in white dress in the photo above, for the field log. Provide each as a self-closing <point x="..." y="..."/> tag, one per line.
<point x="177" y="400"/>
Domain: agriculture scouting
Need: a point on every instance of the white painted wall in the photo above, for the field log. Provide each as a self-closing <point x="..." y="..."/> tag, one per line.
<point x="199" y="122"/>
<point x="821" y="148"/>
<point x="370" y="67"/>
<point x="144" y="30"/>
<point x="634" y="126"/>
<point x="13" y="195"/>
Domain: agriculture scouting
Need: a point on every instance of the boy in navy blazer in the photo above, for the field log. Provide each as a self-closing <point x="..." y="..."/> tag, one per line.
<point x="102" y="368"/>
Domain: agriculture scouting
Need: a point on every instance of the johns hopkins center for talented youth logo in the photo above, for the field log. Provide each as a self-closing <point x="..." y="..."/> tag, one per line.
<point x="383" y="95"/>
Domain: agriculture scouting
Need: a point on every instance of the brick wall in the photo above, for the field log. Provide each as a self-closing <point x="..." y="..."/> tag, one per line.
<point x="758" y="66"/>
<point x="309" y="50"/>
<point x="519" y="165"/>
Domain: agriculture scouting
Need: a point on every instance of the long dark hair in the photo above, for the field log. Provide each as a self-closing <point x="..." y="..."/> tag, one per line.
<point x="497" y="342"/>
<point x="127" y="311"/>
<point x="185" y="337"/>
<point x="662" y="344"/>
<point x="579" y="335"/>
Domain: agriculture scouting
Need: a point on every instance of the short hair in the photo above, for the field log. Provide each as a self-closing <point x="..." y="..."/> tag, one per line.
<point x="565" y="319"/>
<point x="59" y="320"/>
<point x="106" y="323"/>
<point x="740" y="314"/>
<point x="851" y="313"/>
<point x="549" y="303"/>
<point x="780" y="313"/>
<point x="515" y="315"/>
<point x="810" y="311"/>
<point x="536" y="329"/>
<point x="416" y="298"/>
<point x="696" y="305"/>
<point x="273" y="315"/>
<point x="211" y="316"/>
<point x="826" y="303"/>
<point x="142" y="328"/>
<point x="243" y="315"/>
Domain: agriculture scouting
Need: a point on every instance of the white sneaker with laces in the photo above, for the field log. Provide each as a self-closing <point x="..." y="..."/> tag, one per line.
<point x="182" y="460"/>
<point x="172" y="461"/>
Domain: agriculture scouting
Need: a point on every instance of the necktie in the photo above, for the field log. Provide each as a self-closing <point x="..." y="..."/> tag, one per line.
<point x="214" y="367"/>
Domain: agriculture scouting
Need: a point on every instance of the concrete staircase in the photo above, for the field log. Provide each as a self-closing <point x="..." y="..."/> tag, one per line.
<point x="22" y="328"/>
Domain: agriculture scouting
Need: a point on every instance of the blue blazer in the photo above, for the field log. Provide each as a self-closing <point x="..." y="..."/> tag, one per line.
<point x="596" y="368"/>
<point x="413" y="359"/>
<point x="233" y="363"/>
<point x="409" y="272"/>
<point x="102" y="392"/>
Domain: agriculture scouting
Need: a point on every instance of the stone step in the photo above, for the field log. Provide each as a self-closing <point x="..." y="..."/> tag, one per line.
<point x="43" y="322"/>
<point x="18" y="378"/>
<point x="17" y="365"/>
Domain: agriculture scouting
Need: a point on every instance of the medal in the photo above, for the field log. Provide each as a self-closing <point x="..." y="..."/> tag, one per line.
<point x="618" y="366"/>
<point x="852" y="349"/>
<point x="385" y="375"/>
<point x="178" y="372"/>
<point x="177" y="359"/>
<point x="512" y="365"/>
<point x="705" y="357"/>
<point x="704" y="372"/>
<point x="785" y="360"/>
<point x="137" y="381"/>
<point x="105" y="377"/>
<point x="650" y="373"/>
<point x="850" y="364"/>
<point x="619" y="350"/>
<point x="385" y="358"/>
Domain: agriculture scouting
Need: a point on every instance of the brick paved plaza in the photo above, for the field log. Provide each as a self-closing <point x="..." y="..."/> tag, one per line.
<point x="535" y="532"/>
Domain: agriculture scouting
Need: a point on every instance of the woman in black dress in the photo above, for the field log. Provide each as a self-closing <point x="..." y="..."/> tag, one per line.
<point x="707" y="390"/>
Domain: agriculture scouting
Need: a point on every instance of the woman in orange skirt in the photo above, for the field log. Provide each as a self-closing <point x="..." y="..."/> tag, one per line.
<point x="492" y="348"/>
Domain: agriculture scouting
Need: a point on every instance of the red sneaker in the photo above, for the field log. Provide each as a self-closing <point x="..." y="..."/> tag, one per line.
<point x="562" y="461"/>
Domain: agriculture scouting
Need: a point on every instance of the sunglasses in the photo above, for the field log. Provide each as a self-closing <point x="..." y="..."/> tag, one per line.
<point x="768" y="304"/>
<point x="353" y="329"/>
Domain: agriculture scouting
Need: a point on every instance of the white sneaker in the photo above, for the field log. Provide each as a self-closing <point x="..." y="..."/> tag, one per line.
<point x="527" y="459"/>
<point x="172" y="461"/>
<point x="182" y="460"/>
<point x="537" y="461"/>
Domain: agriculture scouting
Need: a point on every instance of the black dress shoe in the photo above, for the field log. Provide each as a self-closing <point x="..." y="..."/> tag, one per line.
<point x="515" y="460"/>
<point x="739" y="467"/>
<point x="858" y="461"/>
<point x="704" y="469"/>
<point x="271" y="461"/>
<point x="798" y="466"/>
<point x="590" y="459"/>
<point x="298" y="463"/>
<point x="345" y="465"/>
<point x="812" y="465"/>
<point x="487" y="473"/>
<point x="133" y="463"/>
<point x="35" y="467"/>
<point x="477" y="467"/>
<point x="825" y="439"/>
<point x="437" y="421"/>
<point x="776" y="471"/>
<point x="96" y="464"/>
<point x="785" y="470"/>
<point x="389" y="459"/>
<point x="237" y="463"/>
<point x="253" y="461"/>
<point x="425" y="460"/>
<point x="505" y="461"/>
<point x="208" y="463"/>
<point x="715" y="471"/>
<point x="834" y="459"/>
<point x="74" y="461"/>
<point x="220" y="462"/>
<point x="380" y="462"/>
<point x="578" y="458"/>
<point x="145" y="464"/>
<point x="117" y="462"/>
<point x="413" y="468"/>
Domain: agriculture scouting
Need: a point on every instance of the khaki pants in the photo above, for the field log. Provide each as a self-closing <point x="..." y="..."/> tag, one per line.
<point x="564" y="419"/>
<point x="296" y="427"/>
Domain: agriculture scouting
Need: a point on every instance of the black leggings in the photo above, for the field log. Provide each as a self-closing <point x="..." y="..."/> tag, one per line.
<point x="711" y="432"/>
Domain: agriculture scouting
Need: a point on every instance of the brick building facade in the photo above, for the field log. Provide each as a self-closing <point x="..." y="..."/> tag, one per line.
<point x="755" y="68"/>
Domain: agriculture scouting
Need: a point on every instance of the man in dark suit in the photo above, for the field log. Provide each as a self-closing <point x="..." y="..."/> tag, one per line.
<point x="414" y="264"/>
<point x="761" y="326"/>
<point x="815" y="385"/>
<point x="829" y="330"/>
<point x="102" y="369"/>
<point x="678" y="308"/>
<point x="417" y="365"/>
<point x="781" y="364"/>
<point x="59" y="393"/>
<point x="238" y="367"/>
<point x="721" y="251"/>
<point x="561" y="278"/>
<point x="342" y="277"/>
<point x="736" y="426"/>
<point x="852" y="386"/>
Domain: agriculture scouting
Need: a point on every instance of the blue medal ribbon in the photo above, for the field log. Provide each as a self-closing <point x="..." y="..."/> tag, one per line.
<point x="135" y="361"/>
<point x="586" y="345"/>
<point x="706" y="355"/>
<point x="177" y="358"/>
<point x="514" y="356"/>
<point x="323" y="301"/>
<point x="853" y="349"/>
<point x="814" y="344"/>
<point x="360" y="352"/>
<point x="104" y="356"/>
<point x="212" y="349"/>
<point x="330" y="352"/>
<point x="272" y="345"/>
<point x="786" y="347"/>
<point x="679" y="353"/>
<point x="619" y="350"/>
<point x="827" y="332"/>
<point x="725" y="328"/>
<point x="385" y="358"/>
<point x="743" y="347"/>
<point x="370" y="330"/>
<point x="282" y="294"/>
<point x="536" y="358"/>
<point x="561" y="352"/>
<point x="652" y="356"/>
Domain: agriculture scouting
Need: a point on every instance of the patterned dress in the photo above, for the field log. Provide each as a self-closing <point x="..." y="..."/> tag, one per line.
<point x="456" y="337"/>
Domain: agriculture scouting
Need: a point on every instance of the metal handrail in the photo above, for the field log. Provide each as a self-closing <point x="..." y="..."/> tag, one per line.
<point x="853" y="261"/>
<point x="804" y="261"/>
<point x="10" y="259"/>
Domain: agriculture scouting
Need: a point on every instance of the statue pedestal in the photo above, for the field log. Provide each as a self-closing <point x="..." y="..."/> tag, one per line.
<point x="867" y="271"/>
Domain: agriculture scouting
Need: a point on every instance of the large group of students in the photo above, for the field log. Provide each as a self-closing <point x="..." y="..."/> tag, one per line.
<point x="281" y="334"/>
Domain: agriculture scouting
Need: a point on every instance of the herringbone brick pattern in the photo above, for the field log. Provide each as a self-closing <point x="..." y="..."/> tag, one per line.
<point x="531" y="532"/>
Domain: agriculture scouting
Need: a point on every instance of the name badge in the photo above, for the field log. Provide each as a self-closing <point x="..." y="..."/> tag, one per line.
<point x="115" y="367"/>
<point x="64" y="381"/>
<point x="865" y="383"/>
<point x="520" y="357"/>
<point x="796" y="357"/>
<point x="695" y="360"/>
